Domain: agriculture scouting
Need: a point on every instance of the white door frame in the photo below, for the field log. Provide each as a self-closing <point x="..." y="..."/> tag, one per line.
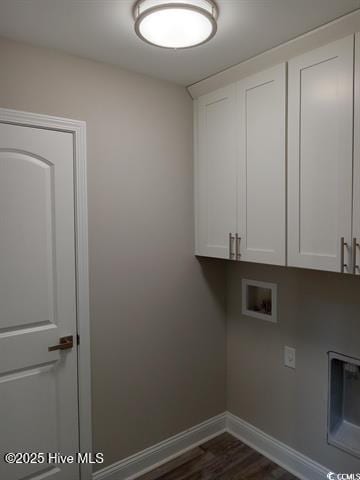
<point x="78" y="129"/>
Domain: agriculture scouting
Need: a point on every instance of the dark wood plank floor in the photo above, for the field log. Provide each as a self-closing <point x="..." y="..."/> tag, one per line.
<point x="224" y="457"/>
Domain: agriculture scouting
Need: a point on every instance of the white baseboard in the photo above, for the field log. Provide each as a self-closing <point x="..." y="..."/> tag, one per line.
<point x="130" y="468"/>
<point x="152" y="457"/>
<point x="294" y="462"/>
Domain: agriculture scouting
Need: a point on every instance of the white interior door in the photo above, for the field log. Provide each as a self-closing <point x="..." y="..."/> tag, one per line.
<point x="38" y="388"/>
<point x="320" y="156"/>
<point x="356" y="209"/>
<point x="215" y="172"/>
<point x="262" y="176"/>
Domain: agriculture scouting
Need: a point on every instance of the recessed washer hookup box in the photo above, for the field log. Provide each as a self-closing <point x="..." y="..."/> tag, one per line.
<point x="344" y="403"/>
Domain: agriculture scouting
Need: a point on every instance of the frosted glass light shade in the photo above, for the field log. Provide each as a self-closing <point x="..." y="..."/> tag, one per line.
<point x="175" y="24"/>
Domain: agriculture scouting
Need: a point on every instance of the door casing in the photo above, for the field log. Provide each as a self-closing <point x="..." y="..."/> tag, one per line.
<point x="78" y="129"/>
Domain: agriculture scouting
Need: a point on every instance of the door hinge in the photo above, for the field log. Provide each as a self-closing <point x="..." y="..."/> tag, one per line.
<point x="77" y="339"/>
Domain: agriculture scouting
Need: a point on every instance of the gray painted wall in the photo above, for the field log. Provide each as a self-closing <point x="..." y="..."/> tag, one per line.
<point x="317" y="312"/>
<point x="157" y="314"/>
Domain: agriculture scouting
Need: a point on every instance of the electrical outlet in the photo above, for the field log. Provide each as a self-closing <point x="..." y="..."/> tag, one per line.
<point x="289" y="357"/>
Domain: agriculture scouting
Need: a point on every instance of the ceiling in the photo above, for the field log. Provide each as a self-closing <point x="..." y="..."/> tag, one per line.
<point x="103" y="30"/>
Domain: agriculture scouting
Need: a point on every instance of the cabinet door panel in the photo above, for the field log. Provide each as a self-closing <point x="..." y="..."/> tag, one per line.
<point x="356" y="209"/>
<point x="215" y="172"/>
<point x="320" y="156"/>
<point x="262" y="182"/>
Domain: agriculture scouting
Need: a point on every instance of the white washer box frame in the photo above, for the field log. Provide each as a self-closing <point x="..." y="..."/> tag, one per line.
<point x="246" y="283"/>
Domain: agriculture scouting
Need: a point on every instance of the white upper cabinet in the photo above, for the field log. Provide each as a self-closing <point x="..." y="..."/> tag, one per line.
<point x="356" y="209"/>
<point x="240" y="170"/>
<point x="320" y="157"/>
<point x="215" y="172"/>
<point x="262" y="166"/>
<point x="303" y="214"/>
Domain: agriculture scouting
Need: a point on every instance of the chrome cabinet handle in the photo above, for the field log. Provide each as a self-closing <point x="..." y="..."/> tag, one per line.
<point x="343" y="244"/>
<point x="237" y="246"/>
<point x="355" y="245"/>
<point x="231" y="243"/>
<point x="64" y="344"/>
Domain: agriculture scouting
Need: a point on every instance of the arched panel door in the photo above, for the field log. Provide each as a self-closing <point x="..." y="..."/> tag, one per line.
<point x="38" y="386"/>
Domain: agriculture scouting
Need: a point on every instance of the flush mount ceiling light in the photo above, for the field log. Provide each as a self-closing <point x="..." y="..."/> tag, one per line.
<point x="175" y="23"/>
